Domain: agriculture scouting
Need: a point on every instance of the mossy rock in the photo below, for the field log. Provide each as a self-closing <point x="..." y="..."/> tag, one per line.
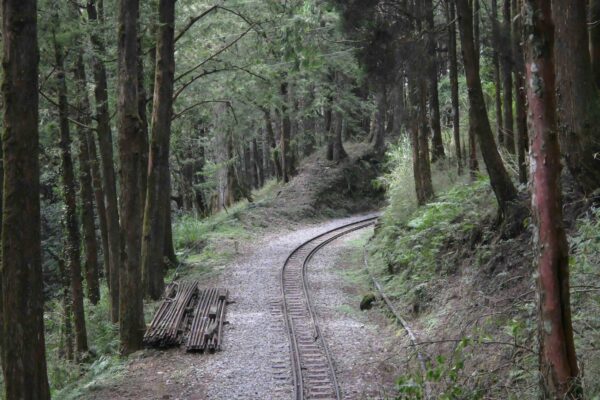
<point x="367" y="301"/>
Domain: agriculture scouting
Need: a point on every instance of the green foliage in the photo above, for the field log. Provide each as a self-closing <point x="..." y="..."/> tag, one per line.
<point x="585" y="297"/>
<point x="67" y="378"/>
<point x="413" y="245"/>
<point x="443" y="375"/>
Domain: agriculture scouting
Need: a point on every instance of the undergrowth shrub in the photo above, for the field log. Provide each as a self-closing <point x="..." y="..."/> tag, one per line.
<point x="412" y="248"/>
<point x="585" y="292"/>
<point x="69" y="379"/>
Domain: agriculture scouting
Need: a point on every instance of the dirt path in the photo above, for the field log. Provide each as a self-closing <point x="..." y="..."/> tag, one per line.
<point x="255" y="359"/>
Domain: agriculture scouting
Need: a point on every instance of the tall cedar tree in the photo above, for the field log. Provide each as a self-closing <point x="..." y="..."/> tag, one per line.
<point x="437" y="144"/>
<point x="73" y="242"/>
<point x="105" y="144"/>
<point x="579" y="99"/>
<point x="512" y="211"/>
<point x="453" y="73"/>
<point x="558" y="363"/>
<point x="85" y="181"/>
<point x="157" y="198"/>
<point x="595" y="39"/>
<point x="521" y="138"/>
<point x="338" y="146"/>
<point x="496" y="66"/>
<point x="131" y="310"/>
<point x="23" y="347"/>
<point x="286" y="130"/>
<point x="507" y="83"/>
<point x="379" y="123"/>
<point x="473" y="160"/>
<point x="142" y="102"/>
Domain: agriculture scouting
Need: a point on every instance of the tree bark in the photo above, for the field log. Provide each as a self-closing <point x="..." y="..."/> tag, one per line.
<point x="100" y="203"/>
<point x="579" y="99"/>
<point x="131" y="310"/>
<point x="399" y="106"/>
<point x="473" y="161"/>
<point x="496" y="72"/>
<point x="105" y="143"/>
<point x="257" y="164"/>
<point x="142" y="103"/>
<point x="169" y="249"/>
<point x="522" y="139"/>
<point x="339" y="153"/>
<point x="437" y="143"/>
<point x="158" y="197"/>
<point x="23" y="347"/>
<point x="286" y="128"/>
<point x="452" y="56"/>
<point x="558" y="362"/>
<point x="507" y="83"/>
<point x="67" y="349"/>
<point x="270" y="135"/>
<point x="504" y="189"/>
<point x="73" y="249"/>
<point x="419" y="138"/>
<point x="85" y="181"/>
<point x="379" y="134"/>
<point x="595" y="39"/>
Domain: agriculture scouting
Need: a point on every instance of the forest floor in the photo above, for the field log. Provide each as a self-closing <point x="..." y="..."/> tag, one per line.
<point x="366" y="350"/>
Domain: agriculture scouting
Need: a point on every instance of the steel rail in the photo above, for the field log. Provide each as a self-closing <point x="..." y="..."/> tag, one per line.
<point x="318" y="242"/>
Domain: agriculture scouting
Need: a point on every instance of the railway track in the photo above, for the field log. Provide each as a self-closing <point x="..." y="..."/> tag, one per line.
<point x="313" y="373"/>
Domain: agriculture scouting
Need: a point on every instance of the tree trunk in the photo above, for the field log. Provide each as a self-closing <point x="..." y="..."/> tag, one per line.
<point x="268" y="168"/>
<point x="379" y="134"/>
<point x="23" y="347"/>
<point x="507" y="84"/>
<point x="100" y="203"/>
<point x="423" y="149"/>
<point x="504" y="189"/>
<point x="85" y="180"/>
<point x="142" y="102"/>
<point x="67" y="349"/>
<point x="521" y="100"/>
<point x="558" y="362"/>
<point x="496" y="72"/>
<point x="286" y="127"/>
<point x="131" y="310"/>
<point x="476" y="27"/>
<point x="595" y="39"/>
<point x="437" y="143"/>
<point x="338" y="146"/>
<point x="105" y="143"/>
<point x="454" y="81"/>
<point x="169" y="249"/>
<point x="73" y="250"/>
<point x="473" y="161"/>
<point x="158" y="197"/>
<point x="270" y="135"/>
<point x="578" y="100"/>
<point x="419" y="138"/>
<point x="399" y="106"/>
<point x="257" y="164"/>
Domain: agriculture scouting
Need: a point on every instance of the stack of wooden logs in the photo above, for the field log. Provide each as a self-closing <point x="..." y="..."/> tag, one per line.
<point x="188" y="315"/>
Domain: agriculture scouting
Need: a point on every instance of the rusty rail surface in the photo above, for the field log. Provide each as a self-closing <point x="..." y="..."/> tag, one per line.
<point x="313" y="372"/>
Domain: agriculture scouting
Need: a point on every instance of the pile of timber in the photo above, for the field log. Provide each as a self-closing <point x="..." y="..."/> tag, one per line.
<point x="188" y="315"/>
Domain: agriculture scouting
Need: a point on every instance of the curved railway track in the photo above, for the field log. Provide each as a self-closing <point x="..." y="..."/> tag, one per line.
<point x="313" y="373"/>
